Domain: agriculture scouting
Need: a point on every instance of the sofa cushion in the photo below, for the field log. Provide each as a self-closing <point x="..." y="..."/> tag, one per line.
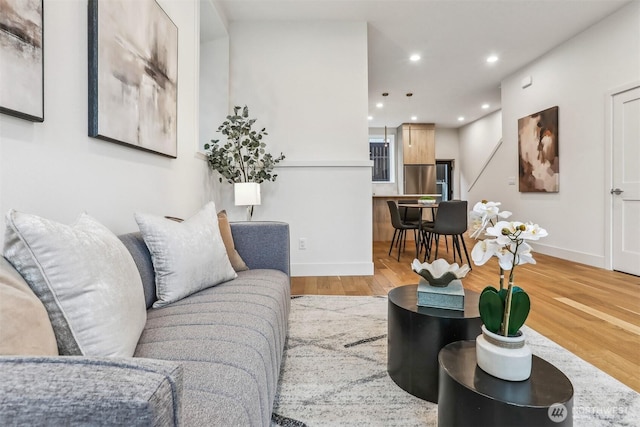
<point x="89" y="391"/>
<point x="85" y="278"/>
<point x="187" y="256"/>
<point x="25" y="328"/>
<point x="229" y="340"/>
<point x="225" y="230"/>
<point x="263" y="244"/>
<point x="141" y="256"/>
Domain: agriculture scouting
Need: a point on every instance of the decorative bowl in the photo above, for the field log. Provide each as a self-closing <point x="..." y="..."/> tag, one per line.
<point x="439" y="273"/>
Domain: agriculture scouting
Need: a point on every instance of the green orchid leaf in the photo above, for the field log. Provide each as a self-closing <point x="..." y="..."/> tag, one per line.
<point x="491" y="308"/>
<point x="503" y="295"/>
<point x="520" y="307"/>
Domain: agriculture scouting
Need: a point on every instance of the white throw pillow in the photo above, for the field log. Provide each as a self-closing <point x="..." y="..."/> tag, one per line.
<point x="187" y="256"/>
<point x="86" y="279"/>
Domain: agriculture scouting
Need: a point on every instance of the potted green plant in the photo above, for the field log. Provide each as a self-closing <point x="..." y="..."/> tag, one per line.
<point x="242" y="158"/>
<point x="425" y="200"/>
<point x="503" y="311"/>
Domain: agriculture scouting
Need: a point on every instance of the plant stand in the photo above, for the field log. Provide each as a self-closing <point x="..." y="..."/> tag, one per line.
<point x="467" y="396"/>
<point x="416" y="335"/>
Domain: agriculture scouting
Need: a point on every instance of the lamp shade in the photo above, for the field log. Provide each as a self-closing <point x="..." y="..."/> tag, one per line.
<point x="247" y="193"/>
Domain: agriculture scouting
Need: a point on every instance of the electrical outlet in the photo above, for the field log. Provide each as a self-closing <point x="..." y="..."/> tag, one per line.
<point x="302" y="243"/>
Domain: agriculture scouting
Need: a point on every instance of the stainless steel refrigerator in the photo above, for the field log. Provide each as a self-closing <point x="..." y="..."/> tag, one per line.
<point x="420" y="179"/>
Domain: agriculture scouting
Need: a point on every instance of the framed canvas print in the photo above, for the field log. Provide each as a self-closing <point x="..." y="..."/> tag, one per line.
<point x="538" y="152"/>
<point x="133" y="75"/>
<point x="22" y="59"/>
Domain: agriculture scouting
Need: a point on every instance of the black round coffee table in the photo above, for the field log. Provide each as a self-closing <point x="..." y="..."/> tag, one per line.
<point x="416" y="335"/>
<point x="470" y="396"/>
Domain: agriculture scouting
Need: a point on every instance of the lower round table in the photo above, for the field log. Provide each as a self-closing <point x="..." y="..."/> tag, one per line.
<point x="416" y="335"/>
<point x="469" y="396"/>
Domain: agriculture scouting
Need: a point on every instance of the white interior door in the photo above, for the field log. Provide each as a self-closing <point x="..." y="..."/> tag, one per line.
<point x="625" y="192"/>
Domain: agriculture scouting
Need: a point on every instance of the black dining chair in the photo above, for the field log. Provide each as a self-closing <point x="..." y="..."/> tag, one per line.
<point x="399" y="228"/>
<point x="409" y="215"/>
<point x="451" y="220"/>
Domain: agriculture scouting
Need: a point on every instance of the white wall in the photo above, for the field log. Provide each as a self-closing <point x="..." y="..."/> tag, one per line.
<point x="477" y="142"/>
<point x="55" y="170"/>
<point x="214" y="87"/>
<point x="213" y="93"/>
<point x="576" y="76"/>
<point x="307" y="84"/>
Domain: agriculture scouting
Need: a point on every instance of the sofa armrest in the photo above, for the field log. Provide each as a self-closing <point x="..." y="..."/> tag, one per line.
<point x="263" y="244"/>
<point x="96" y="391"/>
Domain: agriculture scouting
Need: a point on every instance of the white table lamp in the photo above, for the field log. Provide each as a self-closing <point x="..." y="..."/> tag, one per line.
<point x="247" y="194"/>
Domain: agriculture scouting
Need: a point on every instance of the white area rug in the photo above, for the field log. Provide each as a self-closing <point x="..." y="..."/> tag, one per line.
<point x="335" y="372"/>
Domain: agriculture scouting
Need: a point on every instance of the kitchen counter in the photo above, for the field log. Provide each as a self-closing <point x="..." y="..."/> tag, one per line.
<point x="403" y="196"/>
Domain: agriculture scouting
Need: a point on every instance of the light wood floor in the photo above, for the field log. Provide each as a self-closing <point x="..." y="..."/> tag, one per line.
<point x="593" y="313"/>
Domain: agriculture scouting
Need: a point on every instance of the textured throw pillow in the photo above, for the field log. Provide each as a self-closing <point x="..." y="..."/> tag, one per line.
<point x="25" y="328"/>
<point x="187" y="256"/>
<point x="86" y="279"/>
<point x="225" y="231"/>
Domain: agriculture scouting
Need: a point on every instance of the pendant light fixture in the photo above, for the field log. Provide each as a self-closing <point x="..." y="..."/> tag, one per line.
<point x="386" y="140"/>
<point x="409" y="95"/>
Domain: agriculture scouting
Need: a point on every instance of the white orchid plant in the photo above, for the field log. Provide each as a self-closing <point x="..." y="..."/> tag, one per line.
<point x="503" y="311"/>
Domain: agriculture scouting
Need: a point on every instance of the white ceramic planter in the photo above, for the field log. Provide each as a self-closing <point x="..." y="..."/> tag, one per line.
<point x="507" y="358"/>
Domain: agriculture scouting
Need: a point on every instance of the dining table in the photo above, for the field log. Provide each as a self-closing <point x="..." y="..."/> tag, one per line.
<point x="421" y="206"/>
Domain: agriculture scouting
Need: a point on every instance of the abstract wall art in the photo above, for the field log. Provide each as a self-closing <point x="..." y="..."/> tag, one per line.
<point x="21" y="59"/>
<point x="133" y="75"/>
<point x="538" y="152"/>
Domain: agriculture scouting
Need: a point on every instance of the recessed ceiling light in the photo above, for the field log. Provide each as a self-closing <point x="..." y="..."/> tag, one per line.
<point x="415" y="57"/>
<point x="414" y="118"/>
<point x="485" y="106"/>
<point x="491" y="59"/>
<point x="370" y="118"/>
<point x="379" y="105"/>
<point x="461" y="119"/>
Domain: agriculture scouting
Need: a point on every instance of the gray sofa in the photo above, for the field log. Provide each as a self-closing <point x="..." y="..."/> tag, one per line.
<point x="210" y="359"/>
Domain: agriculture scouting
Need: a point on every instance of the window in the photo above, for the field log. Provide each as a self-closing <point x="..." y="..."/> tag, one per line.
<point x="382" y="154"/>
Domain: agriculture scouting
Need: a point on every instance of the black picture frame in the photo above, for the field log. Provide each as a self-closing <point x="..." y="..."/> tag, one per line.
<point x="133" y="75"/>
<point x="22" y="59"/>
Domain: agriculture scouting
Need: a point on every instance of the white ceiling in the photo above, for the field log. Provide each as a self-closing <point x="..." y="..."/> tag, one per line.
<point x="453" y="37"/>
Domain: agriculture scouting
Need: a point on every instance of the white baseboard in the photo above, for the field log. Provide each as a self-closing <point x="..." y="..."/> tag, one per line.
<point x="575" y="256"/>
<point x="366" y="268"/>
<point x="332" y="269"/>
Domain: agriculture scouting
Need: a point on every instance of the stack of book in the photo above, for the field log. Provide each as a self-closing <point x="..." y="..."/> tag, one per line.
<point x="450" y="297"/>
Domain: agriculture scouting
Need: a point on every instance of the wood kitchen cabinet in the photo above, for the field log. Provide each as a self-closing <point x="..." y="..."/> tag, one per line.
<point x="418" y="143"/>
